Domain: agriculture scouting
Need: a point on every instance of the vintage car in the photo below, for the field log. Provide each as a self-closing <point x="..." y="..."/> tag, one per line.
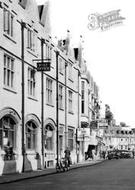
<point x="125" y="154"/>
<point x="113" y="155"/>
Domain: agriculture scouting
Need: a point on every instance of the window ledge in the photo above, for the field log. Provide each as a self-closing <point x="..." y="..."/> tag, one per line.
<point x="32" y="98"/>
<point x="30" y="152"/>
<point x="84" y="115"/>
<point x="61" y="73"/>
<point x="49" y="105"/>
<point x="62" y="109"/>
<point x="9" y="89"/>
<point x="70" y="79"/>
<point x="32" y="52"/>
<point x="71" y="112"/>
<point x="10" y="38"/>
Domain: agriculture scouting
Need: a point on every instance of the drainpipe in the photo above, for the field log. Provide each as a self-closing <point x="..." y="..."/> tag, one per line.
<point x="66" y="129"/>
<point x="57" y="110"/>
<point x="77" y="145"/>
<point x="42" y="101"/>
<point x="23" y="25"/>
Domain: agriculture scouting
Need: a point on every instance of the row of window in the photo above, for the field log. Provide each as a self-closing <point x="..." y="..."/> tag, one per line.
<point x="9" y="78"/>
<point x="8" y="135"/>
<point x="124" y="132"/>
<point x="9" y="27"/>
<point x="31" y="40"/>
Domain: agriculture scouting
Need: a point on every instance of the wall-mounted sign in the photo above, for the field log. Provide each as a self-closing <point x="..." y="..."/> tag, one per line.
<point x="44" y="66"/>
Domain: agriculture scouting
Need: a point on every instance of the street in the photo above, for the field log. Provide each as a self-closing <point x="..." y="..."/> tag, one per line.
<point x="108" y="175"/>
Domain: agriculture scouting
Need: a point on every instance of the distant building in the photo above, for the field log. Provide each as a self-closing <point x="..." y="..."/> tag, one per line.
<point x="121" y="138"/>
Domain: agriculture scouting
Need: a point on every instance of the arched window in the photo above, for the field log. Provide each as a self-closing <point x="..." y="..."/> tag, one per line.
<point x="30" y="135"/>
<point x="7" y="132"/>
<point x="49" y="137"/>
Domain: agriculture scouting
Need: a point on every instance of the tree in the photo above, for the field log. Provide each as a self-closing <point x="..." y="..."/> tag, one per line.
<point x="108" y="114"/>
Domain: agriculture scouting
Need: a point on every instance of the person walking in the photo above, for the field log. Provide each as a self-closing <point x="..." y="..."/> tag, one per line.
<point x="67" y="155"/>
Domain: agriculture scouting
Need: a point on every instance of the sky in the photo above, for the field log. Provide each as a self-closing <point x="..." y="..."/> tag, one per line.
<point x="109" y="54"/>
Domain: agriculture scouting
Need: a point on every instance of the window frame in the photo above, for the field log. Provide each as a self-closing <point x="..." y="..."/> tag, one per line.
<point x="31" y="82"/>
<point x="49" y="144"/>
<point x="61" y="66"/>
<point x="48" y="51"/>
<point x="70" y="71"/>
<point x="8" y="22"/>
<point x="70" y="138"/>
<point x="60" y="96"/>
<point x="8" y="71"/>
<point x="82" y="97"/>
<point x="31" y="39"/>
<point x="70" y="101"/>
<point x="5" y="130"/>
<point x="32" y="134"/>
<point x="49" y="91"/>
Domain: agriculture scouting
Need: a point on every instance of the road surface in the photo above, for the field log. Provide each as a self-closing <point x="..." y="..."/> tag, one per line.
<point x="108" y="175"/>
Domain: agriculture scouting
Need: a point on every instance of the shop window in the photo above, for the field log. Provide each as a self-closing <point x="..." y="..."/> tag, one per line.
<point x="30" y="135"/>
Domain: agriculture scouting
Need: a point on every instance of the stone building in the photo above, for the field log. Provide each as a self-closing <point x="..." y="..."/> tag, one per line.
<point x="35" y="106"/>
<point x="121" y="138"/>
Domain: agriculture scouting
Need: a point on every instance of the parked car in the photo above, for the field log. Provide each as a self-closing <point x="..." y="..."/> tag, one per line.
<point x="125" y="154"/>
<point x="113" y="155"/>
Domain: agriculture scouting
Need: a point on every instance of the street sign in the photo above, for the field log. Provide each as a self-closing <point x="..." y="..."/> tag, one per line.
<point x="44" y="66"/>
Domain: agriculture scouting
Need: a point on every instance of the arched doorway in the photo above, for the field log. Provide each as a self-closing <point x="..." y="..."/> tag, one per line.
<point x="9" y="140"/>
<point x="32" y="133"/>
<point x="9" y="121"/>
<point x="7" y="136"/>
<point x="49" y="133"/>
<point x="32" y="143"/>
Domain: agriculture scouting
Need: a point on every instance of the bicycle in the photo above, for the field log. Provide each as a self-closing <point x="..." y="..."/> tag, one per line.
<point x="62" y="165"/>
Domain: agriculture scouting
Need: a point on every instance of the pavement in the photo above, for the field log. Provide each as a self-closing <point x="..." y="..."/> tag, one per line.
<point x="8" y="178"/>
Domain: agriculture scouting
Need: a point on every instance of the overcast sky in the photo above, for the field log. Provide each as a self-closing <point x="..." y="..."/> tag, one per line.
<point x="109" y="54"/>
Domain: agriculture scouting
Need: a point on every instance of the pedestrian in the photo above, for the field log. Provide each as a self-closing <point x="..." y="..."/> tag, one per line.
<point x="133" y="153"/>
<point x="67" y="155"/>
<point x="104" y="154"/>
<point x="93" y="154"/>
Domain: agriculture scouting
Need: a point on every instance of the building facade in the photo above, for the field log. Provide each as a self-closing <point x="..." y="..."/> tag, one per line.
<point x="39" y="111"/>
<point x="121" y="138"/>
